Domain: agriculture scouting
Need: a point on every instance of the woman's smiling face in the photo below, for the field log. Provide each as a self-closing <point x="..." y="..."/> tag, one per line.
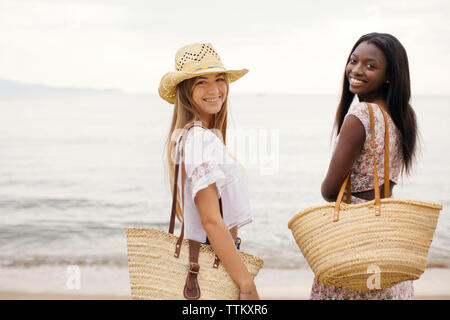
<point x="366" y="71"/>
<point x="209" y="94"/>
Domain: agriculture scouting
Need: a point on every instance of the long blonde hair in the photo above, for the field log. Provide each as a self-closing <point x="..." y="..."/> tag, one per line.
<point x="186" y="112"/>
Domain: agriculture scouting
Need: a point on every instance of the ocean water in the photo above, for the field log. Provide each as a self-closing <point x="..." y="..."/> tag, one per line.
<point x="75" y="169"/>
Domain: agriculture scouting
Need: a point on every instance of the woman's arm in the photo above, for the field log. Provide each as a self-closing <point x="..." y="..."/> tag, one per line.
<point x="351" y="141"/>
<point x="220" y="238"/>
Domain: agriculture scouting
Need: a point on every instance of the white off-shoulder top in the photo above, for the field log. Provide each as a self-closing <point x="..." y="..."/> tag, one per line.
<point x="206" y="162"/>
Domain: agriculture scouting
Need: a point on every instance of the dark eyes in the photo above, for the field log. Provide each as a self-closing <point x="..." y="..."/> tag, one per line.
<point x="201" y="82"/>
<point x="369" y="65"/>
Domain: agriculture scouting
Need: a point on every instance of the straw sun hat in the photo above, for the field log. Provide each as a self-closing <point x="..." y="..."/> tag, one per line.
<point x="192" y="61"/>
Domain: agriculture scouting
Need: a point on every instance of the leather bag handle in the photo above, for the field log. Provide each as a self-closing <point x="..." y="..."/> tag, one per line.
<point x="386" y="168"/>
<point x="180" y="158"/>
<point x="174" y="193"/>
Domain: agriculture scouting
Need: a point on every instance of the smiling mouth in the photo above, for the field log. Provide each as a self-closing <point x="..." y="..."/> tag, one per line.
<point x="355" y="81"/>
<point x="216" y="99"/>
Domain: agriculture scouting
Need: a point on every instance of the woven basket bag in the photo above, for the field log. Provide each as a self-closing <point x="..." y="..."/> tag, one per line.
<point x="373" y="245"/>
<point x="163" y="266"/>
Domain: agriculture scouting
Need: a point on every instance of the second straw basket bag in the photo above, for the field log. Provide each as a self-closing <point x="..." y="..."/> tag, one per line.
<point x="372" y="245"/>
<point x="164" y="266"/>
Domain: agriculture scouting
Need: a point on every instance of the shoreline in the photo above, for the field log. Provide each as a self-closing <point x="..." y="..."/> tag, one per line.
<point x="12" y="295"/>
<point x="272" y="284"/>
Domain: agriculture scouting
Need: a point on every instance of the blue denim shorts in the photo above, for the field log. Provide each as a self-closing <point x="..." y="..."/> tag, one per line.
<point x="237" y="242"/>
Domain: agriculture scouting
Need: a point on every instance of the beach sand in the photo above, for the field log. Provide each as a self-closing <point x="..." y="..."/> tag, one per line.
<point x="49" y="296"/>
<point x="272" y="284"/>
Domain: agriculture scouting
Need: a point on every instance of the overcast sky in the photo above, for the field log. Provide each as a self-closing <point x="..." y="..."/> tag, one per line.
<point x="289" y="46"/>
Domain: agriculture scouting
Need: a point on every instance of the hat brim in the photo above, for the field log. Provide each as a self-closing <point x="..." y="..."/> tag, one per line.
<point x="168" y="85"/>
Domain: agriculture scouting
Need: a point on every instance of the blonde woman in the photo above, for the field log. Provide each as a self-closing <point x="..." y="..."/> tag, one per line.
<point x="199" y="90"/>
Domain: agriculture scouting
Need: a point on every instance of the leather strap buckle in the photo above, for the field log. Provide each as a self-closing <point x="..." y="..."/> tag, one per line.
<point x="191" y="289"/>
<point x="194" y="268"/>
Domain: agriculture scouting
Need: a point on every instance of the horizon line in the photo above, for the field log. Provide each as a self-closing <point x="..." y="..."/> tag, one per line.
<point x="14" y="85"/>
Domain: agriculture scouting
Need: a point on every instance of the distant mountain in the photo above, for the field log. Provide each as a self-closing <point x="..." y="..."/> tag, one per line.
<point x="8" y="86"/>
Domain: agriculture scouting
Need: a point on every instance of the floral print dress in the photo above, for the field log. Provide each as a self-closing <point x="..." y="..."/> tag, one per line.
<point x="362" y="179"/>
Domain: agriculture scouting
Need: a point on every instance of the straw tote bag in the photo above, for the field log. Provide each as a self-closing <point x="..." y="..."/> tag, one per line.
<point x="163" y="266"/>
<point x="372" y="245"/>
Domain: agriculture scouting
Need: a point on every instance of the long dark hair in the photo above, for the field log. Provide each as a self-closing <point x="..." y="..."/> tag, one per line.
<point x="398" y="93"/>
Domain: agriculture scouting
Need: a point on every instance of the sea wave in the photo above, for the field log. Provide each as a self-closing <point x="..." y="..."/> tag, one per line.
<point x="115" y="260"/>
<point x="67" y="203"/>
<point x="58" y="260"/>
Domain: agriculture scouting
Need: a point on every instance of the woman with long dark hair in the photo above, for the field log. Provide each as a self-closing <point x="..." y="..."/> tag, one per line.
<point x="377" y="72"/>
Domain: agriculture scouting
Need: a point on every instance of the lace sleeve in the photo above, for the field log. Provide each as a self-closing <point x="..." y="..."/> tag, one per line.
<point x="204" y="175"/>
